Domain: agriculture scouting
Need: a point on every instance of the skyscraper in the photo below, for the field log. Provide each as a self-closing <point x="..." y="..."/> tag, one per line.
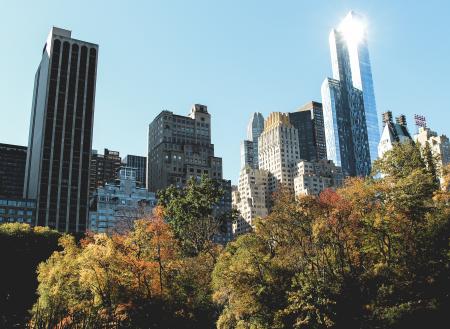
<point x="104" y="169"/>
<point x="250" y="198"/>
<point x="311" y="132"/>
<point x="248" y="154"/>
<point x="345" y="128"/>
<point x="279" y="155"/>
<point x="139" y="163"/>
<point x="249" y="147"/>
<point x="279" y="151"/>
<point x="255" y="127"/>
<point x="350" y="115"/>
<point x="59" y="146"/>
<point x="12" y="170"/>
<point x="179" y="147"/>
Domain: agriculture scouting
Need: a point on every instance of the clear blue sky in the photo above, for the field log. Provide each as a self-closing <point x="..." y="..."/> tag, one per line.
<point x="235" y="56"/>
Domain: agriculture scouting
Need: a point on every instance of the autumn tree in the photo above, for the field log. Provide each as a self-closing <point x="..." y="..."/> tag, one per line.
<point x="137" y="279"/>
<point x="374" y="254"/>
<point x="108" y="281"/>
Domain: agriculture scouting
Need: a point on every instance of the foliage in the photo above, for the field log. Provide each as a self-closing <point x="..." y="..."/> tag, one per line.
<point x="374" y="254"/>
<point x="430" y="161"/>
<point x="22" y="249"/>
<point x="137" y="280"/>
<point x="401" y="160"/>
<point x="190" y="213"/>
<point x="446" y="178"/>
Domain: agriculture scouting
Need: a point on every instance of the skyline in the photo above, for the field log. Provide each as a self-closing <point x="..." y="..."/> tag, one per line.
<point x="122" y="119"/>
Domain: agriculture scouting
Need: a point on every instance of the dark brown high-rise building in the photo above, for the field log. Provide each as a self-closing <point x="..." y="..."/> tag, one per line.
<point x="59" y="147"/>
<point x="104" y="169"/>
<point x="12" y="170"/>
<point x="311" y="132"/>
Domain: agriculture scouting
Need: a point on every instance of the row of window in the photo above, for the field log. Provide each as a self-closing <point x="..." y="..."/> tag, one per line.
<point x="16" y="212"/>
<point x="16" y="203"/>
<point x="13" y="219"/>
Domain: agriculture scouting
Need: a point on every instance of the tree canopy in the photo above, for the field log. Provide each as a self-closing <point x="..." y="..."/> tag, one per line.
<point x="373" y="254"/>
<point x="190" y="213"/>
<point x="133" y="280"/>
<point x="22" y="249"/>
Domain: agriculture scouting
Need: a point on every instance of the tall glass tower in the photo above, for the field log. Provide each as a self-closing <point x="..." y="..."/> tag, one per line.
<point x="255" y="127"/>
<point x="352" y="74"/>
<point x="249" y="147"/>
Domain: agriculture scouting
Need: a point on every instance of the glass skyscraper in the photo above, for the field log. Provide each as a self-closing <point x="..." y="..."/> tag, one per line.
<point x="255" y="127"/>
<point x="350" y="115"/>
<point x="249" y="147"/>
<point x="345" y="128"/>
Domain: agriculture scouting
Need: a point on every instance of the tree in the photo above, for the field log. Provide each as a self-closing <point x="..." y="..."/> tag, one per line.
<point x="22" y="249"/>
<point x="107" y="281"/>
<point x="190" y="213"/>
<point x="401" y="160"/>
<point x="373" y="254"/>
<point x="431" y="162"/>
<point x="137" y="279"/>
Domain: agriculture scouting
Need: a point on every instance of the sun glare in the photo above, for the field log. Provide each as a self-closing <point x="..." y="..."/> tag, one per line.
<point x="353" y="29"/>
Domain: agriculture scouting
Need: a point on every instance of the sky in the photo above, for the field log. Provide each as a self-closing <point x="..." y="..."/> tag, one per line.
<point x="235" y="56"/>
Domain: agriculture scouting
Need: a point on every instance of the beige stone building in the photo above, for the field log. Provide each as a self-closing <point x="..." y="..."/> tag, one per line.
<point x="312" y="177"/>
<point x="278" y="150"/>
<point x="250" y="198"/>
<point x="280" y="164"/>
<point x="440" y="145"/>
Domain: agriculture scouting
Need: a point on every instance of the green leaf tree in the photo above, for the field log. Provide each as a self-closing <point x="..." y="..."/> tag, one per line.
<point x="190" y="212"/>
